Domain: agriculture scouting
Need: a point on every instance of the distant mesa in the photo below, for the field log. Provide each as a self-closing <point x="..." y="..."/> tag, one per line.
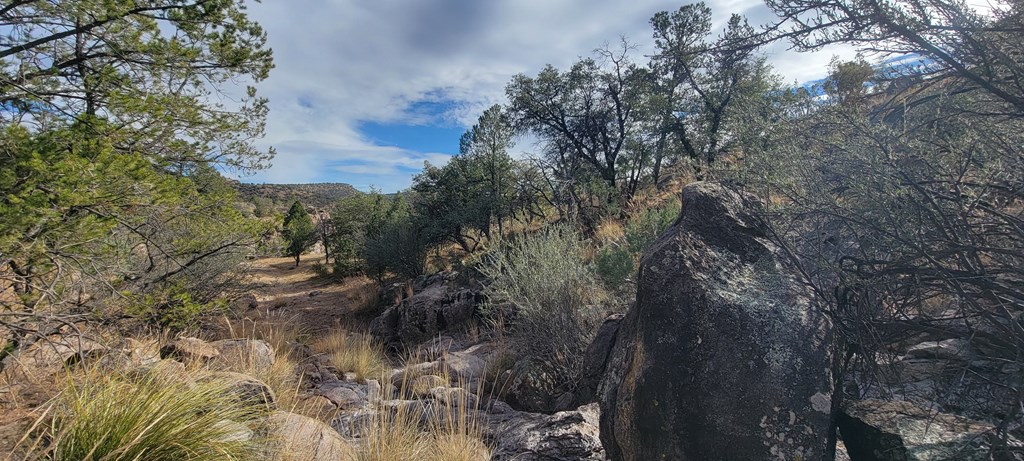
<point x="317" y="195"/>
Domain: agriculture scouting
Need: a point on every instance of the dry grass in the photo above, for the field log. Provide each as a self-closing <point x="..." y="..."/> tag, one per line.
<point x="609" y="230"/>
<point x="353" y="353"/>
<point x="448" y="431"/>
<point x="363" y="293"/>
<point x="103" y="416"/>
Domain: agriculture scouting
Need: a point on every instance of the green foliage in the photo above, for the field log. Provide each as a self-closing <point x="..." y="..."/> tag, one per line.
<point x="298" y="231"/>
<point x="847" y="80"/>
<point x="173" y="308"/>
<point x="148" y="69"/>
<point x="108" y="142"/>
<point x="357" y="220"/>
<point x="114" y="417"/>
<point x="555" y="293"/>
<point x="401" y="248"/>
<point x="62" y="190"/>
<point x="643" y="229"/>
<point x="614" y="264"/>
<point x="475" y="189"/>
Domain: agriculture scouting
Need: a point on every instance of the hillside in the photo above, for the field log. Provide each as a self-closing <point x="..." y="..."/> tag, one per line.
<point x="319" y="195"/>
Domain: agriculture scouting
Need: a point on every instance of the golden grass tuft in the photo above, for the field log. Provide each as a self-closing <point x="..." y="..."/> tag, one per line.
<point x="609" y="230"/>
<point x="353" y="352"/>
<point x="103" y="416"/>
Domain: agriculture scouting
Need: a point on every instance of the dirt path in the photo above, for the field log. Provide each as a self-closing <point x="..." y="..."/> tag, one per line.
<point x="314" y="304"/>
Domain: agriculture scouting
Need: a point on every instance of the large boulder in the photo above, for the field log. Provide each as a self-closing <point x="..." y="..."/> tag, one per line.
<point x="877" y="430"/>
<point x="300" y="438"/>
<point x="726" y="354"/>
<point x="432" y="311"/>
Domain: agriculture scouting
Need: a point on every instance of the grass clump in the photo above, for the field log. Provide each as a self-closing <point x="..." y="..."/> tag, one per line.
<point x="117" y="417"/>
<point x="355" y="353"/>
<point x="443" y="430"/>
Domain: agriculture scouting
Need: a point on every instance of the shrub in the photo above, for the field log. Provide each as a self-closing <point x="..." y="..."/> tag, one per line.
<point x="114" y="417"/>
<point x="644" y="229"/>
<point x="173" y="308"/>
<point x="400" y="248"/>
<point x="555" y="294"/>
<point x="615" y="266"/>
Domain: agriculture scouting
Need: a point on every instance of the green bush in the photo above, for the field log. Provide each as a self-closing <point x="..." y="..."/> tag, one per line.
<point x="106" y="417"/>
<point x="400" y="248"/>
<point x="615" y="266"/>
<point x="643" y="229"/>
<point x="173" y="308"/>
<point x="555" y="293"/>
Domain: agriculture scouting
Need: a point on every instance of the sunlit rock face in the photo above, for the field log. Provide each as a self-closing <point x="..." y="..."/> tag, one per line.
<point x="726" y="355"/>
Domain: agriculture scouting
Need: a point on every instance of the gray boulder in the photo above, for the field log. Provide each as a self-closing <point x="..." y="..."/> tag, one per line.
<point x="237" y="355"/>
<point x="877" y="430"/>
<point x="300" y="438"/>
<point x="726" y="354"/>
<point x="564" y="436"/>
<point x="595" y="359"/>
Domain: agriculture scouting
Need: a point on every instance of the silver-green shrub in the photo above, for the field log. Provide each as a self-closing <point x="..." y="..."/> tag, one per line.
<point x="552" y="297"/>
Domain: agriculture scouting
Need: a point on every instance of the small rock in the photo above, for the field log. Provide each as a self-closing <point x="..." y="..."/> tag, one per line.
<point x="455" y="397"/>
<point x="950" y="349"/>
<point x="344" y="395"/>
<point x="564" y="436"/>
<point x="234" y="431"/>
<point x="246" y="301"/>
<point x="188" y="349"/>
<point x="243" y="356"/>
<point x="49" y="356"/>
<point x="374" y="392"/>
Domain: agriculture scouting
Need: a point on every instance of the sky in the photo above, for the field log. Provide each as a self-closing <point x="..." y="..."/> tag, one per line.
<point x="365" y="91"/>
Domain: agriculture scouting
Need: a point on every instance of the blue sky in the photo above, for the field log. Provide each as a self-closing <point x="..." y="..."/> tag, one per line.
<point x="365" y="91"/>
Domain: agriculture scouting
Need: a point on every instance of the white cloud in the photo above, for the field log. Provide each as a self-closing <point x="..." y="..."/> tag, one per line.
<point x="343" y="62"/>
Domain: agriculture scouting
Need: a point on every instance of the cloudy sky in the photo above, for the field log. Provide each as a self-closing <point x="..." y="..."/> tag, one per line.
<point x="365" y="91"/>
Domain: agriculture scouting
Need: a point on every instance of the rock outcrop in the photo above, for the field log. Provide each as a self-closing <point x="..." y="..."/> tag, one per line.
<point x="725" y="355"/>
<point x="431" y="311"/>
<point x="595" y="359"/>
<point x="877" y="430"/>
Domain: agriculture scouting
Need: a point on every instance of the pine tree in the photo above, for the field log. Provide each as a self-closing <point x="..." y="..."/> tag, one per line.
<point x="299" y="232"/>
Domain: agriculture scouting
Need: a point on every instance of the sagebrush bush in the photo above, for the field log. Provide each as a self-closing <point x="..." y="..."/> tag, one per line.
<point x="118" y="417"/>
<point x="556" y="294"/>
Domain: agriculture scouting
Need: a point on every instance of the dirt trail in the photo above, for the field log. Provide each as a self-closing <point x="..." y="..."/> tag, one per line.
<point x="298" y="294"/>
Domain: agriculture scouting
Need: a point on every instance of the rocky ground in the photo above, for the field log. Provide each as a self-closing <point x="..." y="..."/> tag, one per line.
<point x="723" y="356"/>
<point x="450" y="375"/>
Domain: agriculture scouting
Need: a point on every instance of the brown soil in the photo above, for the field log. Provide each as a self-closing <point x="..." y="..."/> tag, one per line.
<point x="311" y="303"/>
